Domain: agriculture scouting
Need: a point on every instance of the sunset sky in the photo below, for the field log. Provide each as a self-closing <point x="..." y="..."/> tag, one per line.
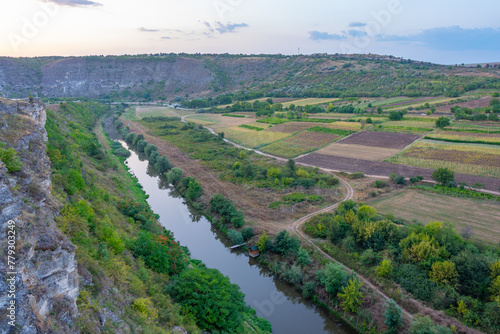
<point x="443" y="31"/>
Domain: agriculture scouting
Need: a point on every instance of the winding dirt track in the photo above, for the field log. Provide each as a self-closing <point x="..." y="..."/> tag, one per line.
<point x="296" y="226"/>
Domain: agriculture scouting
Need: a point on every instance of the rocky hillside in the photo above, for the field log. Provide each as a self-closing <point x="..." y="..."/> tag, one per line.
<point x="45" y="269"/>
<point x="165" y="76"/>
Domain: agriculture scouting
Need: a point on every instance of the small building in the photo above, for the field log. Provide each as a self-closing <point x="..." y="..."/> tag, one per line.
<point x="253" y="251"/>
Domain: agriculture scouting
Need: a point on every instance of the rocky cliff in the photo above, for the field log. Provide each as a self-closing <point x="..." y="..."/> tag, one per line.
<point x="45" y="269"/>
<point x="166" y="76"/>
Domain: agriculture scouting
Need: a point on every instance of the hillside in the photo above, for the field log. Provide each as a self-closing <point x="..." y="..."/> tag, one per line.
<point x="166" y="76"/>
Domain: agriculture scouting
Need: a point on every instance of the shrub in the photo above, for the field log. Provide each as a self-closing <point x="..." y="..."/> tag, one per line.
<point x="415" y="179"/>
<point x="141" y="145"/>
<point x="443" y="176"/>
<point x="369" y="257"/>
<point x="392" y="315"/>
<point x="303" y="257"/>
<point x="10" y="159"/>
<point x="380" y="184"/>
<point x="247" y="233"/>
<point x="194" y="189"/>
<point x="235" y="237"/>
<point x="332" y="277"/>
<point x="385" y="269"/>
<point x="263" y="242"/>
<point x="145" y="307"/>
<point x="285" y="244"/>
<point x="308" y="289"/>
<point x="150" y="148"/>
<point x="424" y="325"/>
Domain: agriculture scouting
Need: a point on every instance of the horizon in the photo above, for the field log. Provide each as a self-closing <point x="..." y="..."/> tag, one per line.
<point x="446" y="33"/>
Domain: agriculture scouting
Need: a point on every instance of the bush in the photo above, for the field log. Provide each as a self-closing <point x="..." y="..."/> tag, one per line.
<point x="285" y="244"/>
<point x="369" y="257"/>
<point x="162" y="164"/>
<point x="332" y="277"/>
<point x="308" y="289"/>
<point x="247" y="233"/>
<point x="303" y="257"/>
<point x="235" y="237"/>
<point x="385" y="269"/>
<point x="380" y="184"/>
<point x="392" y="315"/>
<point x="175" y="175"/>
<point x="10" y="159"/>
<point x="443" y="176"/>
<point x="424" y="325"/>
<point x="351" y="296"/>
<point x="141" y="145"/>
<point x="415" y="179"/>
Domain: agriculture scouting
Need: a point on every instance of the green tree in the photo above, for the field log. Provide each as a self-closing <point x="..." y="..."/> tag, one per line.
<point x="444" y="176"/>
<point x="442" y="122"/>
<point x="366" y="213"/>
<point x="285" y="244"/>
<point x="332" y="277"/>
<point x="273" y="172"/>
<point x="175" y="175"/>
<point x="216" y="304"/>
<point x="263" y="242"/>
<point x="351" y="296"/>
<point x="392" y="315"/>
<point x="444" y="273"/>
<point x="150" y="148"/>
<point x="162" y="164"/>
<point x="141" y="145"/>
<point x="395" y="115"/>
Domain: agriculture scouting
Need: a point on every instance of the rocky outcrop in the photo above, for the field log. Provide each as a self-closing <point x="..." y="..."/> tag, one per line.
<point x="45" y="270"/>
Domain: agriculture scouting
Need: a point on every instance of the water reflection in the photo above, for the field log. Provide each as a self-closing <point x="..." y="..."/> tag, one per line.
<point x="274" y="300"/>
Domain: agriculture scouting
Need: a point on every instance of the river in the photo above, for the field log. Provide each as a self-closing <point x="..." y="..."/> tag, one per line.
<point x="279" y="303"/>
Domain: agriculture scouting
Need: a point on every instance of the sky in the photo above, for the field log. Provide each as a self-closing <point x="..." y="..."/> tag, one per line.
<point x="439" y="31"/>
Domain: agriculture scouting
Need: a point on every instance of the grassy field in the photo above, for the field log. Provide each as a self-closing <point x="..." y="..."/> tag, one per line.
<point x="290" y="127"/>
<point x="474" y="126"/>
<point x="130" y="114"/>
<point x="300" y="143"/>
<point x="151" y="111"/>
<point x="309" y="101"/>
<point x="252" y="138"/>
<point x="419" y="104"/>
<point x="471" y="159"/>
<point x="358" y="151"/>
<point x="331" y="115"/>
<point x="343" y="125"/>
<point x="480" y="215"/>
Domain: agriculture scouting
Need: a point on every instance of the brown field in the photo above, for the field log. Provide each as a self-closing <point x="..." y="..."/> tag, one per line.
<point x="381" y="139"/>
<point x="358" y="151"/>
<point x="343" y="125"/>
<point x="381" y="168"/>
<point x="290" y="127"/>
<point x="480" y="103"/>
<point x="480" y="215"/>
<point x="298" y="144"/>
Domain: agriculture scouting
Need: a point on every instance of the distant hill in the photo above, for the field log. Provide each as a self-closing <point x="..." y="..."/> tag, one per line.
<point x="166" y="76"/>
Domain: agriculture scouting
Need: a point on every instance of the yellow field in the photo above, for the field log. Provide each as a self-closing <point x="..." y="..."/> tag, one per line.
<point x="252" y="138"/>
<point x="309" y="101"/>
<point x="480" y="215"/>
<point x="358" y="151"/>
<point x="343" y="125"/>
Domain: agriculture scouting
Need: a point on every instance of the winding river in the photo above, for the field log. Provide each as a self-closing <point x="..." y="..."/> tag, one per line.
<point x="276" y="301"/>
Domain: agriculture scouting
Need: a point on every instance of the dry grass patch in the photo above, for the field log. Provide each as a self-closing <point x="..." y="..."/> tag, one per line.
<point x="480" y="215"/>
<point x="358" y="151"/>
<point x="343" y="125"/>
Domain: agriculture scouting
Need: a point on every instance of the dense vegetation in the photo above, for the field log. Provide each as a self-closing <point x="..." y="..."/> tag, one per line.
<point x="432" y="262"/>
<point x="128" y="257"/>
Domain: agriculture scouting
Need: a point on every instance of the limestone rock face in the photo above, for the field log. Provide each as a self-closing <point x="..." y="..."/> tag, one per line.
<point x="46" y="279"/>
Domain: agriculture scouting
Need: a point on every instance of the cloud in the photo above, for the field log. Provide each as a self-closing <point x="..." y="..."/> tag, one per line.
<point x="356" y="33"/>
<point x="356" y="24"/>
<point x="318" y="36"/>
<point x="229" y="27"/>
<point x="166" y="37"/>
<point x="452" y="38"/>
<point x="75" y="3"/>
<point x="147" y="30"/>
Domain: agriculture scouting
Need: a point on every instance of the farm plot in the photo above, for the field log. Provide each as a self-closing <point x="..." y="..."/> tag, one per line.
<point x="353" y="126"/>
<point x="358" y="151"/>
<point x="479" y="103"/>
<point x="421" y="124"/>
<point x="384" y="102"/>
<point x="460" y="136"/>
<point x="431" y="103"/>
<point x="309" y="101"/>
<point x="252" y="138"/>
<point x="218" y="122"/>
<point x="461" y="158"/>
<point x="381" y="139"/>
<point x="152" y="111"/>
<point x="480" y="215"/>
<point x="300" y="143"/>
<point x="291" y="127"/>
